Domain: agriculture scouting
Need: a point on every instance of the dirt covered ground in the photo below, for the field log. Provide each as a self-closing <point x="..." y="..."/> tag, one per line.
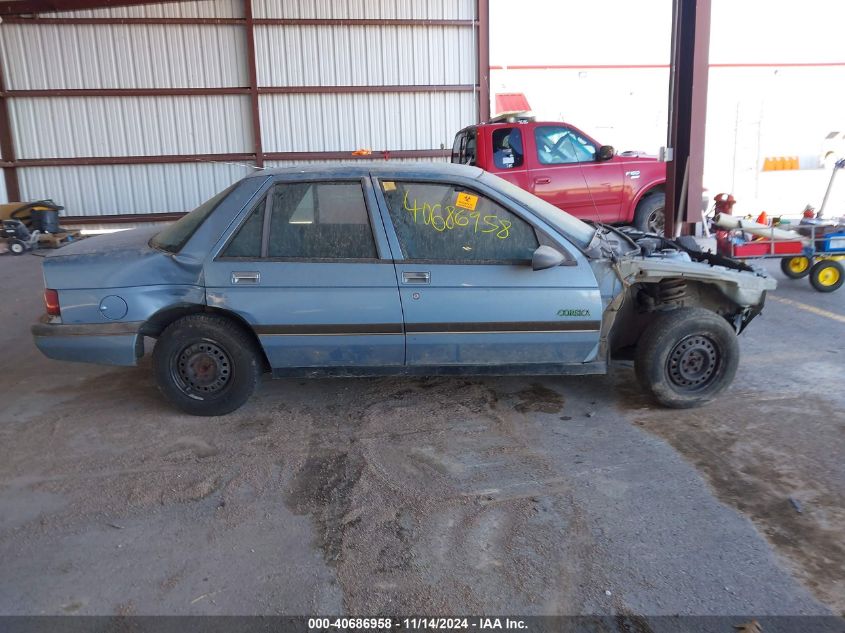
<point x="437" y="496"/>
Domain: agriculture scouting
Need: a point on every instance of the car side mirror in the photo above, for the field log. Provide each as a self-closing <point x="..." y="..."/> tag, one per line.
<point x="546" y="257"/>
<point x="606" y="152"/>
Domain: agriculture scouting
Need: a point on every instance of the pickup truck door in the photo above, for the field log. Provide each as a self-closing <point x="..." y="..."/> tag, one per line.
<point x="564" y="171"/>
<point x="312" y="274"/>
<point x="469" y="294"/>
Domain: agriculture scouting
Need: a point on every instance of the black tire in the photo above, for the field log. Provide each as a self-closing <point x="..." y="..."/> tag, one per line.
<point x="650" y="216"/>
<point x="206" y="364"/>
<point x="686" y="357"/>
<point x="17" y="247"/>
<point x="827" y="275"/>
<point x="795" y="267"/>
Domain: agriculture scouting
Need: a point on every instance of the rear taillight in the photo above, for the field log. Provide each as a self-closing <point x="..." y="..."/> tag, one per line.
<point x="51" y="302"/>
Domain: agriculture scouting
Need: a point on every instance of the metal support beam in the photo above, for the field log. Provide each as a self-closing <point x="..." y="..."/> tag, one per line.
<point x="238" y="21"/>
<point x="253" y="84"/>
<point x="7" y="146"/>
<point x="483" y="53"/>
<point x="159" y="159"/>
<point x="204" y="92"/>
<point x="27" y="7"/>
<point x="687" y="113"/>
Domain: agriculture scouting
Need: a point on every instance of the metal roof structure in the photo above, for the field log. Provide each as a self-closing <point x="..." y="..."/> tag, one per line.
<point x="161" y="104"/>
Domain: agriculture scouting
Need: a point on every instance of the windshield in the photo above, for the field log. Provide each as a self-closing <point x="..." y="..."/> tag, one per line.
<point x="578" y="231"/>
<point x="175" y="236"/>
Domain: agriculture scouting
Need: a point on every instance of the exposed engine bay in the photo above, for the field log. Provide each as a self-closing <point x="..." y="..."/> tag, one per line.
<point x="660" y="274"/>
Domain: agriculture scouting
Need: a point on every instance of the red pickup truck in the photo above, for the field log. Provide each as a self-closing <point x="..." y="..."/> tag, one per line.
<point x="566" y="167"/>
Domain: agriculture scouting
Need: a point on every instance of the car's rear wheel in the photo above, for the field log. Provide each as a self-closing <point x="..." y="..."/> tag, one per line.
<point x="795" y="267"/>
<point x="206" y="364"/>
<point x="650" y="216"/>
<point x="686" y="357"/>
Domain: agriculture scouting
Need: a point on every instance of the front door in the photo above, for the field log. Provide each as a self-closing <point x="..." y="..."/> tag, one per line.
<point x="469" y="294"/>
<point x="565" y="173"/>
<point x="311" y="272"/>
<point x="508" y="159"/>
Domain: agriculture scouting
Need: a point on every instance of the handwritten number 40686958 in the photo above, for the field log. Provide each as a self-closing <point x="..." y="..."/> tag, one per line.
<point x="432" y="215"/>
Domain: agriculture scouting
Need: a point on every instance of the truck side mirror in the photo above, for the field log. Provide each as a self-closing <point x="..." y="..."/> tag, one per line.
<point x="546" y="257"/>
<point x="606" y="152"/>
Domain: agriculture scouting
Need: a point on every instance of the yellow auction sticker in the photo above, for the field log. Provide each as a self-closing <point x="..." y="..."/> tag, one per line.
<point x="388" y="185"/>
<point x="466" y="201"/>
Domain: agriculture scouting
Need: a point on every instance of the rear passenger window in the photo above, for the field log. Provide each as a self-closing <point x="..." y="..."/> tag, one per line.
<point x="442" y="222"/>
<point x="320" y="220"/>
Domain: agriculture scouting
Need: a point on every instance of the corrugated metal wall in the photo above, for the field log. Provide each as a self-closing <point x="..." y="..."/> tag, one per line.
<point x="92" y="56"/>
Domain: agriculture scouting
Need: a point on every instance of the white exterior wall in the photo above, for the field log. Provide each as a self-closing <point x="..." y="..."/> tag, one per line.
<point x="364" y="55"/>
<point x="111" y="189"/>
<point x="367" y="9"/>
<point x="119" y="56"/>
<point x="758" y="105"/>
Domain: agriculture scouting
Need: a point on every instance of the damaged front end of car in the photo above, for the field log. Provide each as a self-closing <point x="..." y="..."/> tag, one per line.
<point x="652" y="274"/>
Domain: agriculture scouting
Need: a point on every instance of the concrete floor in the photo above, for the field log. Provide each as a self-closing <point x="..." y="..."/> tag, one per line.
<point x="427" y="496"/>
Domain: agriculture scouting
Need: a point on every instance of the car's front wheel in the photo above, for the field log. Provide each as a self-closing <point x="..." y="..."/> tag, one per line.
<point x="206" y="364"/>
<point x="686" y="357"/>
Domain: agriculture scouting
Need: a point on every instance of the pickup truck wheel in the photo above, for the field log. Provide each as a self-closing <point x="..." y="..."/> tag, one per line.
<point x="206" y="365"/>
<point x="650" y="216"/>
<point x="686" y="357"/>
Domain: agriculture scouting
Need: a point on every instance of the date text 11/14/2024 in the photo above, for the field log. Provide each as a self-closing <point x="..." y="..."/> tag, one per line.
<point x="416" y="623"/>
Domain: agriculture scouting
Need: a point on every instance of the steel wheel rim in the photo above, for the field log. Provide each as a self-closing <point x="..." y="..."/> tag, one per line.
<point x="798" y="264"/>
<point x="694" y="362"/>
<point x="202" y="368"/>
<point x="656" y="222"/>
<point x="828" y="276"/>
<point x="16" y="248"/>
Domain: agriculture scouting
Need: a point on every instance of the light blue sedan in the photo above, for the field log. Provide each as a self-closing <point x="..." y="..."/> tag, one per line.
<point x="393" y="269"/>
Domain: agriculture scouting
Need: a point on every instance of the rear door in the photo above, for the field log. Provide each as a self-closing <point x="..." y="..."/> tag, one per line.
<point x="565" y="173"/>
<point x="311" y="272"/>
<point x="468" y="292"/>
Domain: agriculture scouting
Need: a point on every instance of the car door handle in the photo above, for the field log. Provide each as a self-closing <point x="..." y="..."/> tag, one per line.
<point x="416" y="278"/>
<point x="542" y="181"/>
<point x="240" y="278"/>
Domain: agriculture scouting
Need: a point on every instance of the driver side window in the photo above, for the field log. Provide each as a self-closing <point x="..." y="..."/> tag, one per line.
<point x="558" y="145"/>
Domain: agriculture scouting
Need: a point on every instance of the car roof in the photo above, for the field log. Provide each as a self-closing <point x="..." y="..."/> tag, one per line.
<point x="380" y="168"/>
<point x="499" y="124"/>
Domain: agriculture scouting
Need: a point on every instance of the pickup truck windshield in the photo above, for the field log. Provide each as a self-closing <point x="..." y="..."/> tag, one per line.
<point x="573" y="228"/>
<point x="175" y="236"/>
